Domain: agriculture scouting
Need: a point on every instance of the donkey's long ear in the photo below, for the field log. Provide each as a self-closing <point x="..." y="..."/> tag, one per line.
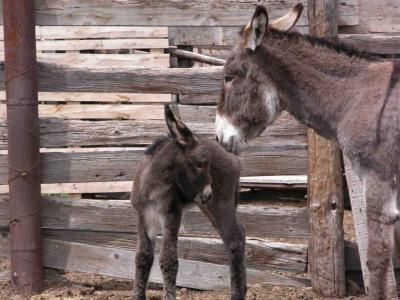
<point x="288" y="21"/>
<point x="179" y="132"/>
<point x="255" y="31"/>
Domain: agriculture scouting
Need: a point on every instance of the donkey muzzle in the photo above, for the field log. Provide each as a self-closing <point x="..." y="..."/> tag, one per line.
<point x="229" y="136"/>
<point x="204" y="196"/>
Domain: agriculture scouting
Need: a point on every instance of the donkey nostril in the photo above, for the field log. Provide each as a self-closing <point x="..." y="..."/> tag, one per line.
<point x="216" y="138"/>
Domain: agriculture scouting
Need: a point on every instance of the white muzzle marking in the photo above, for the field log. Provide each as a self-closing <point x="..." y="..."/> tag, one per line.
<point x="229" y="135"/>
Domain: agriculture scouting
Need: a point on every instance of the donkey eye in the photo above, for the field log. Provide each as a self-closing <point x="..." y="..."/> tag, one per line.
<point x="201" y="165"/>
<point x="228" y="78"/>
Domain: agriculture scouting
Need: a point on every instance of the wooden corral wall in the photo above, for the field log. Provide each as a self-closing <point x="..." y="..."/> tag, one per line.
<point x="102" y="102"/>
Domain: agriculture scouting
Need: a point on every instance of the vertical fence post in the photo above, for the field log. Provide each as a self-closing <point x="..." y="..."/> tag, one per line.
<point x="23" y="146"/>
<point x="325" y="187"/>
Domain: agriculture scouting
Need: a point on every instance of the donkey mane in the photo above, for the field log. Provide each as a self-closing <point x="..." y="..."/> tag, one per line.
<point x="315" y="41"/>
<point x="157" y="145"/>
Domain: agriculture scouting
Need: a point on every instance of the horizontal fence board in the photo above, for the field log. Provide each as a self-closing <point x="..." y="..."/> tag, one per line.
<point x="378" y="16"/>
<point x="170" y="13"/>
<point x="95" y="32"/>
<point x="59" y="78"/>
<point x="104" y="166"/>
<point x="119" y="216"/>
<point x="121" y="263"/>
<point x="375" y="43"/>
<point x="98" y="61"/>
<point x="95" y="111"/>
<point x="99" y="97"/>
<point x="76" y="45"/>
<point x="204" y="36"/>
<point x="58" y="132"/>
<point x="270" y="182"/>
<point x="261" y="254"/>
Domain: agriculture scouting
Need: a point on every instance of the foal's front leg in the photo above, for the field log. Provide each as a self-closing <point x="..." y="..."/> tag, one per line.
<point x="143" y="260"/>
<point x="381" y="219"/>
<point x="169" y="252"/>
<point x="222" y="214"/>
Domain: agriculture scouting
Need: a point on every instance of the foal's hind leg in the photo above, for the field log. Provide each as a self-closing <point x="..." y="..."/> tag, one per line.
<point x="381" y="219"/>
<point x="169" y="252"/>
<point x="222" y="215"/>
<point x="144" y="260"/>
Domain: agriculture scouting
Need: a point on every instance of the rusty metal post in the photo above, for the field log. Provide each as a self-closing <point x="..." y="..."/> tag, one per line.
<point x="23" y="146"/>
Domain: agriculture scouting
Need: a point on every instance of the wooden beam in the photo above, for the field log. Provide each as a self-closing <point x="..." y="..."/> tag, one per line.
<point x="96" y="44"/>
<point x="196" y="57"/>
<point x="262" y="254"/>
<point x="294" y="182"/>
<point x="58" y="133"/>
<point x="56" y="78"/>
<point x="118" y="98"/>
<point x="96" y="32"/>
<point x="375" y="43"/>
<point x="376" y="17"/>
<point x="104" y="165"/>
<point x="325" y="189"/>
<point x="119" y="263"/>
<point x="169" y="13"/>
<point x="103" y="61"/>
<point x="119" y="216"/>
<point x="96" y="111"/>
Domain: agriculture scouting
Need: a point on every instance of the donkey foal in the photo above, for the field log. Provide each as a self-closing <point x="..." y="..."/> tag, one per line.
<point x="177" y="171"/>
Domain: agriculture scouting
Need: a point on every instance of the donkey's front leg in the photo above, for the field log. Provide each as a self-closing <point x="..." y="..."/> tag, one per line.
<point x="144" y="260"/>
<point x="381" y="218"/>
<point x="169" y="252"/>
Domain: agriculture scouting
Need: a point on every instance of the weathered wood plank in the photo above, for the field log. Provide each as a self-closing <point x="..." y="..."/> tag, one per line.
<point x="203" y="36"/>
<point x="57" y="132"/>
<point x="375" y="43"/>
<point x="169" y="13"/>
<point x="96" y="32"/>
<point x="377" y="17"/>
<point x="56" y="78"/>
<point x="120" y="165"/>
<point x="119" y="216"/>
<point x="99" y="97"/>
<point x="325" y="188"/>
<point x="61" y="78"/>
<point x="95" y="111"/>
<point x="120" y="263"/>
<point x="98" y="61"/>
<point x="325" y="198"/>
<point x="104" y="111"/>
<point x="294" y="182"/>
<point x="261" y="254"/>
<point x="189" y="55"/>
<point x="95" y="44"/>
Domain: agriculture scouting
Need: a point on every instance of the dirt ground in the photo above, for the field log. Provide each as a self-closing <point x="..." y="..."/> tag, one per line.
<point x="74" y="286"/>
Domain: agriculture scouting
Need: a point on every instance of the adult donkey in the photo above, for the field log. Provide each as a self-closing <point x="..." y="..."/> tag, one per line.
<point x="347" y="96"/>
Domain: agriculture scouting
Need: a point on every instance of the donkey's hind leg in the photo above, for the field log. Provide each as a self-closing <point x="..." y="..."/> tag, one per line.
<point x="169" y="252"/>
<point x="222" y="215"/>
<point x="143" y="260"/>
<point x="381" y="219"/>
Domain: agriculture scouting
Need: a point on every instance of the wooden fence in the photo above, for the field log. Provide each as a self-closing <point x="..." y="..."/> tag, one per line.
<point x="104" y="77"/>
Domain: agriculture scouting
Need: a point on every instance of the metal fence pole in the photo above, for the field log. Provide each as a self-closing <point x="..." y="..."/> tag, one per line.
<point x="23" y="145"/>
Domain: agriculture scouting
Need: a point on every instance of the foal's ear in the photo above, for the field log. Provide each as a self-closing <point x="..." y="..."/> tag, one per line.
<point x="255" y="31"/>
<point x="179" y="132"/>
<point x="288" y="21"/>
